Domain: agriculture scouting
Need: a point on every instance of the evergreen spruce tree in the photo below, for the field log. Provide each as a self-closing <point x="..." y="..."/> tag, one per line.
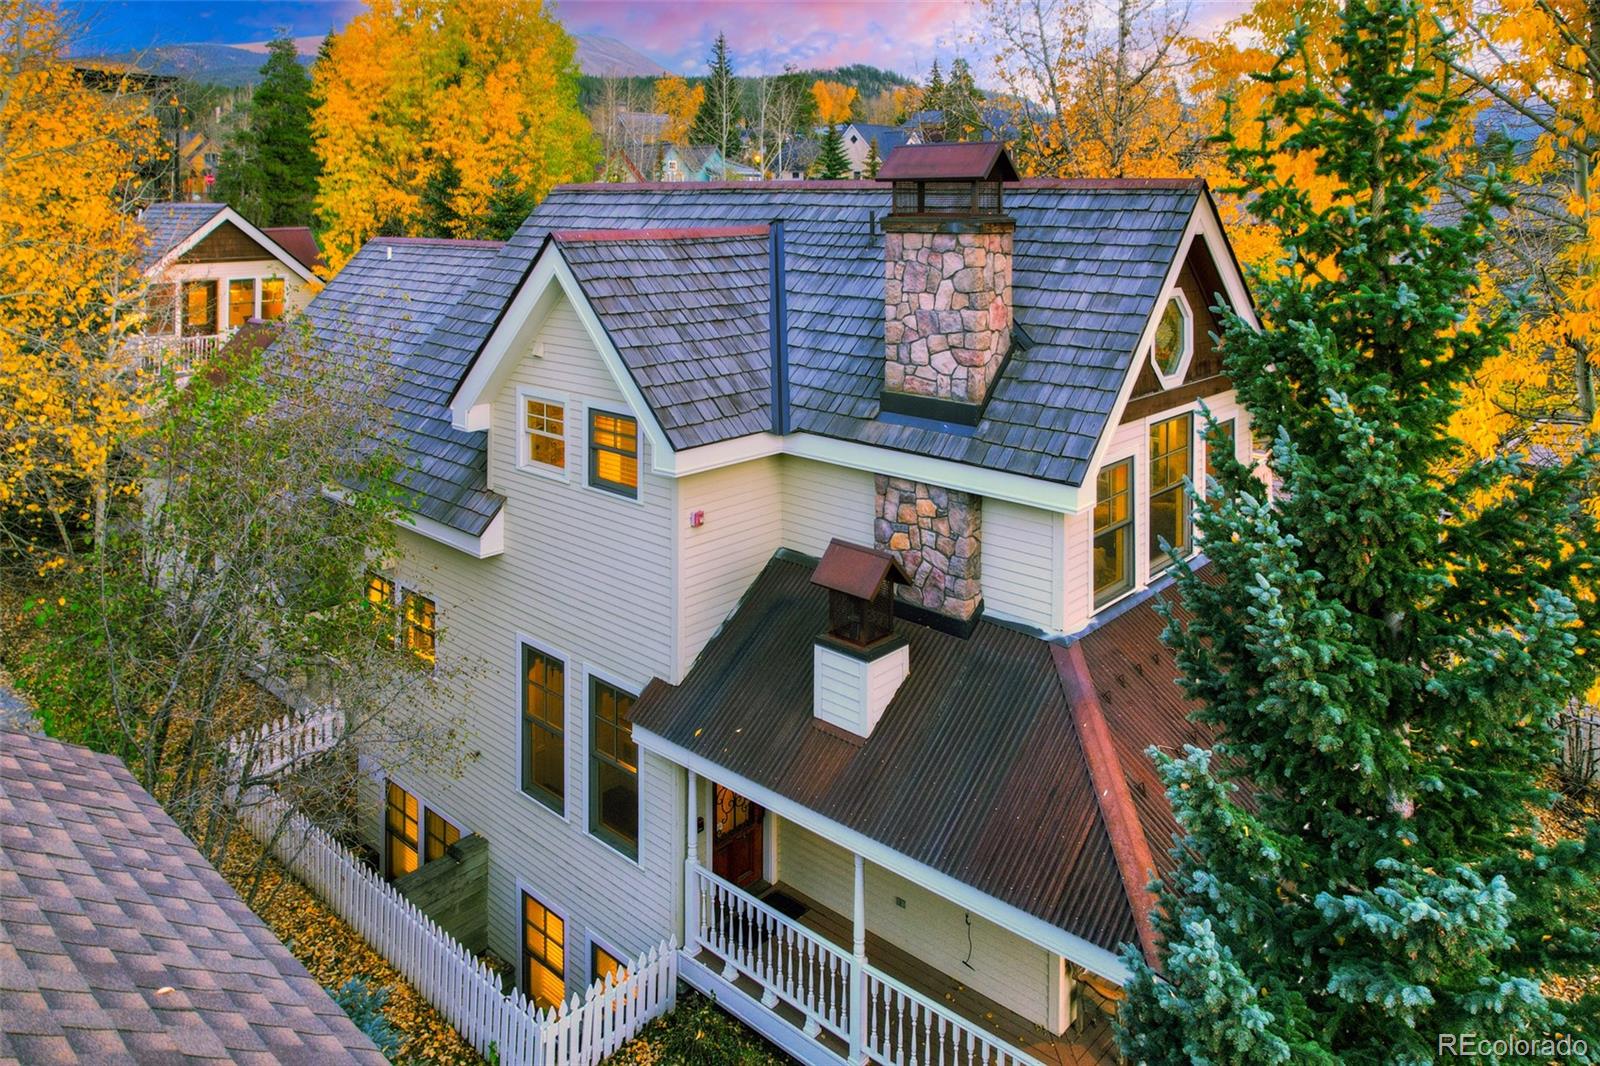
<point x="931" y="106"/>
<point x="438" y="214"/>
<point x="509" y="206"/>
<point x="874" y="160"/>
<point x="1383" y="646"/>
<point x="831" y="160"/>
<point x="963" y="104"/>
<point x="269" y="174"/>
<point x="717" y="121"/>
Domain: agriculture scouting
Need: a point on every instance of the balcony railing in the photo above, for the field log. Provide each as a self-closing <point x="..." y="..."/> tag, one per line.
<point x="178" y="354"/>
<point x="894" y="1026"/>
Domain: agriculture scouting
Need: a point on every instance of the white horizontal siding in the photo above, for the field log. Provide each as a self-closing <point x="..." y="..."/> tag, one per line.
<point x="1022" y="564"/>
<point x="821" y="502"/>
<point x="742" y="508"/>
<point x="1003" y="966"/>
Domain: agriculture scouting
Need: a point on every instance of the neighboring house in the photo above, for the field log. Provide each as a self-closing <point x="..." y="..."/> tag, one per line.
<point x="121" y="943"/>
<point x="674" y="162"/>
<point x="801" y="539"/>
<point x="858" y="138"/>
<point x="198" y="159"/>
<point x="798" y="154"/>
<point x="210" y="271"/>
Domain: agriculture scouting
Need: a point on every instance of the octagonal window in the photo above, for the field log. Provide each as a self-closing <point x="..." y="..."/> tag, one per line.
<point x="1174" y="341"/>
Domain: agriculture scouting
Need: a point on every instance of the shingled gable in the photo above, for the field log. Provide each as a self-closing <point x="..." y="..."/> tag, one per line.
<point x="173" y="228"/>
<point x="1048" y="806"/>
<point x="1092" y="258"/>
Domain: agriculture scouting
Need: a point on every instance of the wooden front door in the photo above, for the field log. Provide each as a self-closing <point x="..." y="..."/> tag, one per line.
<point x="736" y="852"/>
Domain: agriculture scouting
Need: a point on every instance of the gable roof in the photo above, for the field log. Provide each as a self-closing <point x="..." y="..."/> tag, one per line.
<point x="299" y="242"/>
<point x="168" y="224"/>
<point x="121" y="943"/>
<point x="981" y="766"/>
<point x="705" y="375"/>
<point x="394" y="293"/>
<point x="888" y="137"/>
<point x="1090" y="260"/>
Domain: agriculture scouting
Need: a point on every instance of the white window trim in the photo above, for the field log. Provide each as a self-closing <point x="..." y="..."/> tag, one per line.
<point x="522" y="639"/>
<point x="1139" y="578"/>
<point x="1176" y="377"/>
<point x="554" y="473"/>
<point x="638" y="439"/>
<point x="594" y="940"/>
<point x="590" y="675"/>
<point x="543" y="899"/>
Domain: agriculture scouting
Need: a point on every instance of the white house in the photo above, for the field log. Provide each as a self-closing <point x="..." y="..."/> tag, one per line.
<point x="210" y="271"/>
<point x="809" y="534"/>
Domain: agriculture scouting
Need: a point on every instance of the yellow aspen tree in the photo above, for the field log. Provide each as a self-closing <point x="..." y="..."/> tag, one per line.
<point x="71" y="156"/>
<point x="485" y="88"/>
<point x="680" y="104"/>
<point x="835" y="101"/>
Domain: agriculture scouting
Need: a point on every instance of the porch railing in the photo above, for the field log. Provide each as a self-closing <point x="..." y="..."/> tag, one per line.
<point x="788" y="961"/>
<point x="906" y="1028"/>
<point x="178" y="354"/>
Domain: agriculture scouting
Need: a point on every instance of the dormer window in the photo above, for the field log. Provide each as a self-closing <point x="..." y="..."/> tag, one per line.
<point x="1174" y="342"/>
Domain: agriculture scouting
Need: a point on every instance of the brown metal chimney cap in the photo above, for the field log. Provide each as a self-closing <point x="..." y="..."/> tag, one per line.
<point x="856" y="571"/>
<point x="949" y="161"/>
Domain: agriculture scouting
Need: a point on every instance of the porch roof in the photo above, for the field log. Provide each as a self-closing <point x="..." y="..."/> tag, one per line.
<point x="977" y="767"/>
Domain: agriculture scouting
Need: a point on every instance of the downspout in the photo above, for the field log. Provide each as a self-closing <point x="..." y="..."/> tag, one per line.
<point x="778" y="326"/>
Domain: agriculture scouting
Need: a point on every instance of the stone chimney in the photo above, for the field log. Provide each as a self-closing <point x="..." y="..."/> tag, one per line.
<point x="858" y="661"/>
<point x="936" y="535"/>
<point x="947" y="283"/>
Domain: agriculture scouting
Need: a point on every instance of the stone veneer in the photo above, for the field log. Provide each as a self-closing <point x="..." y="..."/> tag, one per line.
<point x="947" y="306"/>
<point x="937" y="535"/>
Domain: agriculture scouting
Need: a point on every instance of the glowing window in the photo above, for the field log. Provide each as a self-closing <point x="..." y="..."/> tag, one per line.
<point x="544" y="733"/>
<point x="271" y="298"/>
<point x="438" y="835"/>
<point x="1113" y="531"/>
<point x="418" y="633"/>
<point x="1171" y="452"/>
<point x="544" y="953"/>
<point x="400" y="833"/>
<point x="614" y="453"/>
<point x="613" y="769"/>
<point x="1174" y="341"/>
<point x="241" y="301"/>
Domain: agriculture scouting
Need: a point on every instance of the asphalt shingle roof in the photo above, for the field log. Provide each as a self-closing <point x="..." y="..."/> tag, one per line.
<point x="705" y="374"/>
<point x="167" y="224"/>
<point x="119" y="943"/>
<point x="394" y="293"/>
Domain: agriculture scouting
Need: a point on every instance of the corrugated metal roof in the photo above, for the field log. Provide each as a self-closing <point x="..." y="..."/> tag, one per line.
<point x="167" y="224"/>
<point x="975" y="768"/>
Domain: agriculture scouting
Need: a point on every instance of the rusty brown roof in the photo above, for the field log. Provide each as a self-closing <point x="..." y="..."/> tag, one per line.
<point x="977" y="767"/>
<point x="949" y="161"/>
<point x="856" y="571"/>
<point x="299" y="242"/>
<point x="120" y="943"/>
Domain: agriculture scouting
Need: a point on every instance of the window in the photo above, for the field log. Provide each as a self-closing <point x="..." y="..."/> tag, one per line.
<point x="400" y="833"/>
<point x="1170" y="448"/>
<point x="544" y="425"/>
<point x="544" y="734"/>
<point x="614" y="453"/>
<point x="160" y="301"/>
<point x="1174" y="341"/>
<point x="438" y="835"/>
<point x="271" y="298"/>
<point x="200" y="308"/>
<point x="418" y="635"/>
<point x="380" y="597"/>
<point x="544" y="953"/>
<point x="241" y="301"/>
<point x="603" y="964"/>
<point x="613" y="769"/>
<point x="1113" y="531"/>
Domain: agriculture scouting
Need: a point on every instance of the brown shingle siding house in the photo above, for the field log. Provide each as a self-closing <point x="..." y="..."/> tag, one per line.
<point x="120" y="943"/>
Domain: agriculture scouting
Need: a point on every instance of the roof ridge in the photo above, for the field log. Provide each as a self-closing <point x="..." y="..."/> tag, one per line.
<point x="795" y="184"/>
<point x="441" y="242"/>
<point x="663" y="233"/>
<point x="1120" y="817"/>
<point x="1108" y="183"/>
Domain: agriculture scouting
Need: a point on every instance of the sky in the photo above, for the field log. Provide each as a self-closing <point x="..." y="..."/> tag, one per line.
<point x="764" y="35"/>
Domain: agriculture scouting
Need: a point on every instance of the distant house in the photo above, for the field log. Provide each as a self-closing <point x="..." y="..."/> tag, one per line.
<point x="198" y="159"/>
<point x="701" y="163"/>
<point x="794" y="161"/>
<point x="210" y="272"/>
<point x="123" y="944"/>
<point x="858" y="138"/>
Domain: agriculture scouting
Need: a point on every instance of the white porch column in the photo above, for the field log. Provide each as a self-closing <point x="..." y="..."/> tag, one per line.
<point x="858" y="974"/>
<point x="691" y="901"/>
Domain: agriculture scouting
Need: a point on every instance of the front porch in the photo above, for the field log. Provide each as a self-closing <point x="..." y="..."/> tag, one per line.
<point x="826" y="988"/>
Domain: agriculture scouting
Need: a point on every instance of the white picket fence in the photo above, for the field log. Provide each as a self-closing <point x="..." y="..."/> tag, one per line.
<point x="284" y="743"/>
<point x="463" y="989"/>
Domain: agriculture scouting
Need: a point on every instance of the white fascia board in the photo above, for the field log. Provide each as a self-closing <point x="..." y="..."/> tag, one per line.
<point x="731" y="452"/>
<point x="471" y="404"/>
<point x="1037" y="931"/>
<point x="228" y="214"/>
<point x="491" y="542"/>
